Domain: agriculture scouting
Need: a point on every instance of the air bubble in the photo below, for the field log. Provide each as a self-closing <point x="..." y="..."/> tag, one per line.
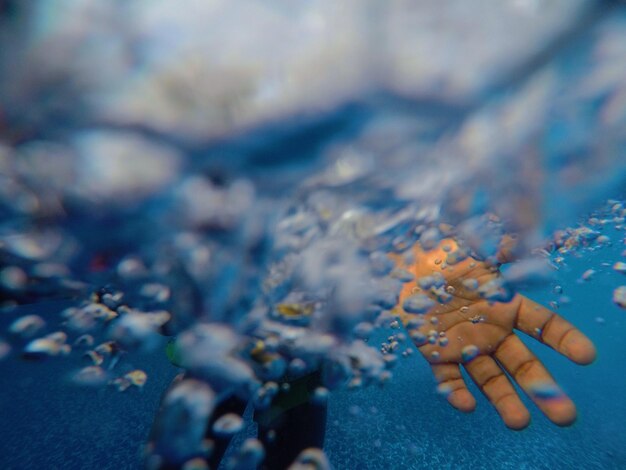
<point x="469" y="352"/>
<point x="228" y="424"/>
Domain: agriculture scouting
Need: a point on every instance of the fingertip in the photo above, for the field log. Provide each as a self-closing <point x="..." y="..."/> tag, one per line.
<point x="580" y="349"/>
<point x="563" y="412"/>
<point x="517" y="419"/>
<point x="513" y="412"/>
<point x="588" y="356"/>
<point x="462" y="400"/>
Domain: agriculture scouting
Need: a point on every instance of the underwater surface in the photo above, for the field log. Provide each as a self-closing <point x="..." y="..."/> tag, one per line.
<point x="401" y="425"/>
<point x="246" y="202"/>
<point x="405" y="424"/>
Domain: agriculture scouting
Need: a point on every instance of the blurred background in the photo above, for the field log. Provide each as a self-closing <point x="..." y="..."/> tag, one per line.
<point x="212" y="149"/>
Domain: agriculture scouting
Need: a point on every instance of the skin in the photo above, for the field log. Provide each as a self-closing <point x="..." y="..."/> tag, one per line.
<point x="502" y="356"/>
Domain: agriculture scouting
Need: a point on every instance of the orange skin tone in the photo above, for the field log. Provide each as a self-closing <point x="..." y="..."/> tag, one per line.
<point x="499" y="348"/>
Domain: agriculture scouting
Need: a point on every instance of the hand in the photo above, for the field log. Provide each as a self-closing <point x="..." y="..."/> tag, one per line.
<point x="479" y="335"/>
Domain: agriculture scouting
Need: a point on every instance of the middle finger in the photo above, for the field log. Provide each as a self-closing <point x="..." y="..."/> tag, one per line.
<point x="535" y="380"/>
<point x="494" y="383"/>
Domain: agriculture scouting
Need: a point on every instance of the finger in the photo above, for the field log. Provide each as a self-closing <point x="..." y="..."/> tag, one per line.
<point x="452" y="385"/>
<point x="506" y="249"/>
<point x="494" y="383"/>
<point x="535" y="380"/>
<point x="551" y="329"/>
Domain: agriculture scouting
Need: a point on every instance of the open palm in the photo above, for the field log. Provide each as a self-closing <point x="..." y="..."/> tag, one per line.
<point x="466" y="329"/>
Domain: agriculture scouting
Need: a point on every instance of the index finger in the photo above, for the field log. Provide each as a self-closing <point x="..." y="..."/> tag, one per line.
<point x="552" y="329"/>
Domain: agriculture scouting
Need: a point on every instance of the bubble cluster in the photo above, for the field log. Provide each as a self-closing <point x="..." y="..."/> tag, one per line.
<point x="588" y="237"/>
<point x="418" y="303"/>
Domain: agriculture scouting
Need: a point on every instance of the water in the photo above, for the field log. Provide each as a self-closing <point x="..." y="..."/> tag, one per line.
<point x="411" y="426"/>
<point x="235" y="211"/>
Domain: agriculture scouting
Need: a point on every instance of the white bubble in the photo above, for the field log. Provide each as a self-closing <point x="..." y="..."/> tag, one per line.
<point x="588" y="274"/>
<point x="180" y="426"/>
<point x="13" y="278"/>
<point x="27" y="326"/>
<point x="469" y="352"/>
<point x="320" y="395"/>
<point x="46" y="346"/>
<point x="402" y="275"/>
<point x="135" y="329"/>
<point x="470" y="284"/>
<point x="250" y="455"/>
<point x="620" y="267"/>
<point x="5" y="349"/>
<point x="363" y="330"/>
<point x="418" y="303"/>
<point x="228" y="424"/>
<point x="131" y="267"/>
<point x="444" y="389"/>
<point x="430" y="238"/>
<point x="197" y="463"/>
<point x="619" y="296"/>
<point x="84" y="341"/>
<point x="91" y="376"/>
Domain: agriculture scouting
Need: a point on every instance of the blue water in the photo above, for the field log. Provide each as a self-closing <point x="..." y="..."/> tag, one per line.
<point x="47" y="423"/>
